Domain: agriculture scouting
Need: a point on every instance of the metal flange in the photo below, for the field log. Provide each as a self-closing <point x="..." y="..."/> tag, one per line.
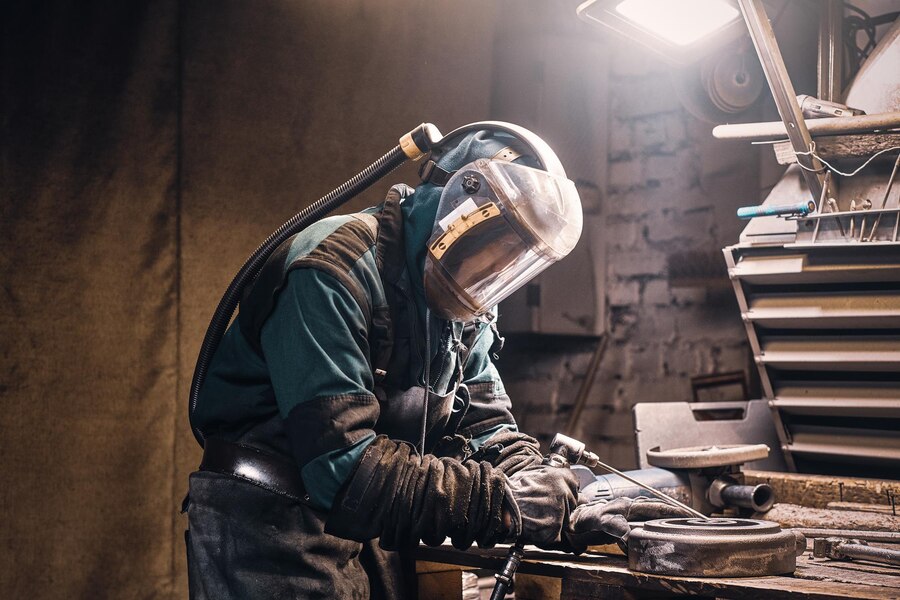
<point x="701" y="457"/>
<point x="714" y="548"/>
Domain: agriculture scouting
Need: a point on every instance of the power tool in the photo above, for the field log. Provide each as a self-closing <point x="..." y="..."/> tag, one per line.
<point x="701" y="480"/>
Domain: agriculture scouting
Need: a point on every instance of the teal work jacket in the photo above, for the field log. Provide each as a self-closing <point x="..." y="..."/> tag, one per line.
<point x="328" y="350"/>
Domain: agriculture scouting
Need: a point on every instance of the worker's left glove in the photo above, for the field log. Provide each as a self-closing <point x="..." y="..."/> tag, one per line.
<point x="606" y="521"/>
<point x="509" y="451"/>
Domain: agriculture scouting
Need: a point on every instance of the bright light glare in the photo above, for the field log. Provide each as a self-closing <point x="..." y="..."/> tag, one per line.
<point x="679" y="21"/>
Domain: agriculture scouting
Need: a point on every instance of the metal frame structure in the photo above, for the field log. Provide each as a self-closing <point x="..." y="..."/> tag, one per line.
<point x="830" y="69"/>
<point x="821" y="307"/>
<point x="783" y="91"/>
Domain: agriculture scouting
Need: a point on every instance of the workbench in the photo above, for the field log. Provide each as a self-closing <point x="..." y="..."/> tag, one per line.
<point x="556" y="575"/>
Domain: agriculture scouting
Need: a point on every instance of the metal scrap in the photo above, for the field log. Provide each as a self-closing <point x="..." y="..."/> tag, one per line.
<point x="849" y="549"/>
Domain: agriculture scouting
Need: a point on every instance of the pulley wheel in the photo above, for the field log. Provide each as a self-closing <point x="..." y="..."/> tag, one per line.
<point x="701" y="457"/>
<point x="721" y="86"/>
<point x="723" y="547"/>
<point x="733" y="81"/>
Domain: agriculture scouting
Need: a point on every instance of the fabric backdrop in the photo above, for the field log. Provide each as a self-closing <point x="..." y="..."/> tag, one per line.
<point x="146" y="147"/>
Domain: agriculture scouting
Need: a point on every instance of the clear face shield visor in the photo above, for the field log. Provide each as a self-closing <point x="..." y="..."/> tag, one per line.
<point x="498" y="225"/>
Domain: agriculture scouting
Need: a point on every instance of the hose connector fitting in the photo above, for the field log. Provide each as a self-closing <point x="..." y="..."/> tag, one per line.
<point x="419" y="142"/>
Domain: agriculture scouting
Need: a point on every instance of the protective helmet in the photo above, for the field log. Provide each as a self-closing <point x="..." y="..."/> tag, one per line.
<point x="498" y="225"/>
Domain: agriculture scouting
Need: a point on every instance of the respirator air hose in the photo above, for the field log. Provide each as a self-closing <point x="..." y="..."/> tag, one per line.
<point x="248" y="272"/>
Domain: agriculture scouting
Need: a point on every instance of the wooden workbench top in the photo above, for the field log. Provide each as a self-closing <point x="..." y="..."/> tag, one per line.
<point x="607" y="576"/>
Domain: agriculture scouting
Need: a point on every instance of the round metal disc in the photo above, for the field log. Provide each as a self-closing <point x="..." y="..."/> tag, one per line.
<point x="713" y="527"/>
<point x="733" y="82"/>
<point x="722" y="86"/>
<point x="701" y="457"/>
<point x="726" y="547"/>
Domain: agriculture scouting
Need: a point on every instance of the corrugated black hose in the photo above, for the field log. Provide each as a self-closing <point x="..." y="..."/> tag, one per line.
<point x="414" y="144"/>
<point x="248" y="272"/>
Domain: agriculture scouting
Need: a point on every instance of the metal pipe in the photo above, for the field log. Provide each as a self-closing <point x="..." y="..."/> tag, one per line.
<point x="782" y="91"/>
<point x="861" y="551"/>
<point x="888" y="537"/>
<point x="587" y="384"/>
<point x="758" y="497"/>
<point x="816" y="127"/>
<point x="831" y="47"/>
<point x="844" y="549"/>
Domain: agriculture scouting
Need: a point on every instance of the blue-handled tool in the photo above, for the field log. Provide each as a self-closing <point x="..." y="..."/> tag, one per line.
<point x="800" y="209"/>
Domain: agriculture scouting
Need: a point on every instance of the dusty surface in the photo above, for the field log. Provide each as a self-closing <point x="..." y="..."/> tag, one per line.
<point x="792" y="515"/>
<point x="818" y="490"/>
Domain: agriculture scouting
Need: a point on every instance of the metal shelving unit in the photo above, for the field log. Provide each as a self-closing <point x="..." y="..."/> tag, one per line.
<point x="823" y="320"/>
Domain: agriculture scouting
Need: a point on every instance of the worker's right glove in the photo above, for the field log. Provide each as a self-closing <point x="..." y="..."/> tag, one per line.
<point x="606" y="521"/>
<point x="543" y="498"/>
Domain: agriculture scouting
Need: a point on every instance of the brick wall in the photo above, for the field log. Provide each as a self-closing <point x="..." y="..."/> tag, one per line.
<point x="671" y="189"/>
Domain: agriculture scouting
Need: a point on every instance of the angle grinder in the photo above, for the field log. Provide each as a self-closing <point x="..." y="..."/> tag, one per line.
<point x="566" y="452"/>
<point x="706" y="479"/>
<point x="709" y="479"/>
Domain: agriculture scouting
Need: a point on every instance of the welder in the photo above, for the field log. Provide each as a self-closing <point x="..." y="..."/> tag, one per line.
<point x="352" y="407"/>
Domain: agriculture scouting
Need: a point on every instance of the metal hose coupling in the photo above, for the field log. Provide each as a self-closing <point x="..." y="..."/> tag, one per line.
<point x="419" y="142"/>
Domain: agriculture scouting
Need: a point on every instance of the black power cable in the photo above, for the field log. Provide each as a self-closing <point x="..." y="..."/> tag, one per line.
<point x="248" y="272"/>
<point x="867" y="24"/>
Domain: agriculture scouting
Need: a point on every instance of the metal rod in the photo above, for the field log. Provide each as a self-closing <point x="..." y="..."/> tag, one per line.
<point x="832" y="205"/>
<point x="816" y="127"/>
<point x="873" y="553"/>
<point x="782" y="91"/>
<point x="830" y="76"/>
<point x="656" y="493"/>
<point x="888" y="537"/>
<point x="887" y="192"/>
<point x="586" y="385"/>
<point x="822" y="203"/>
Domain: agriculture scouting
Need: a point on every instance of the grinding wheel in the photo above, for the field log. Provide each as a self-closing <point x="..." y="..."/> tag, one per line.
<point x="723" y="547"/>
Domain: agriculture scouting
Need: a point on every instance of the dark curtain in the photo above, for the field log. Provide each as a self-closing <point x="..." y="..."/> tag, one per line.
<point x="88" y="230"/>
<point x="145" y="149"/>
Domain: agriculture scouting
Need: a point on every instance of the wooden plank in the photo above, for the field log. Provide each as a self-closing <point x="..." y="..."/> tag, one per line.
<point x="424" y="566"/>
<point x="848" y="572"/>
<point x="793" y="515"/>
<point x="447" y="585"/>
<point x="883" y="509"/>
<point x="537" y="587"/>
<point x="817" y="491"/>
<point x="581" y="590"/>
<point x="601" y="572"/>
<point x="837" y="147"/>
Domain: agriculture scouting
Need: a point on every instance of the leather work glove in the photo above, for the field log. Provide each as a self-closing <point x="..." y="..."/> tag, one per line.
<point x="606" y="521"/>
<point x="542" y="497"/>
<point x="401" y="497"/>
<point x="509" y="451"/>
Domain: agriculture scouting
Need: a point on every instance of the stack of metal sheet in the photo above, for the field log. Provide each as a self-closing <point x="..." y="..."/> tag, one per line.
<point x="823" y="318"/>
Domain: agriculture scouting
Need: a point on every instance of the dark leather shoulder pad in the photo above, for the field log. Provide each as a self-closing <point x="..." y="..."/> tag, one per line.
<point x="335" y="255"/>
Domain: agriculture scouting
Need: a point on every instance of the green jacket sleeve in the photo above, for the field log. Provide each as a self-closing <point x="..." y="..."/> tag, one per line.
<point x="315" y="344"/>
